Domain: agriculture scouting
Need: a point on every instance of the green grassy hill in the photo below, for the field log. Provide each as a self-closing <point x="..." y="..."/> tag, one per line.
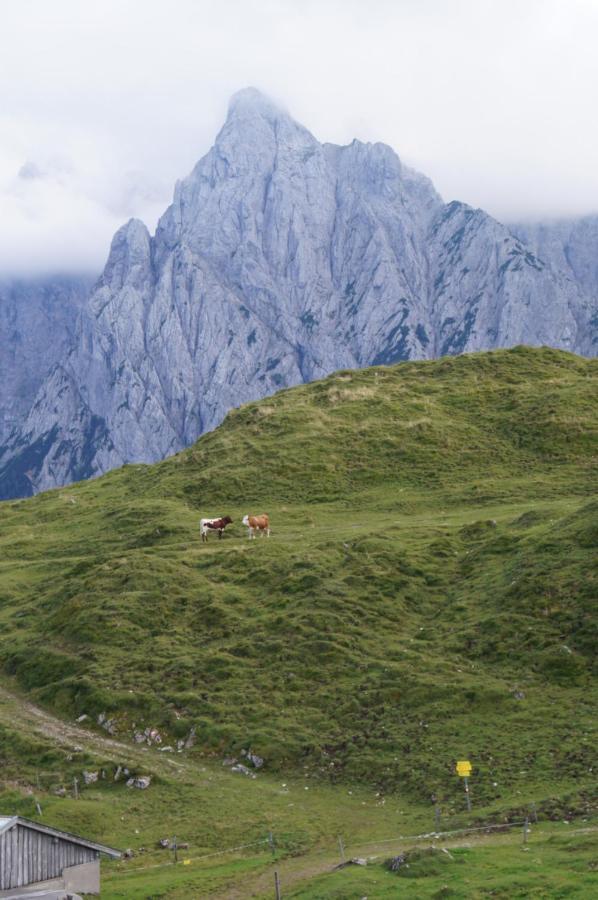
<point x="426" y="594"/>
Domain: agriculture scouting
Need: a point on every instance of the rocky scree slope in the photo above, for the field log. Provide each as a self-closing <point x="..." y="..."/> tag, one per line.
<point x="280" y="260"/>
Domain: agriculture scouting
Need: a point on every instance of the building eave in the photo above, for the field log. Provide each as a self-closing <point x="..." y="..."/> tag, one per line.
<point x="57" y="832"/>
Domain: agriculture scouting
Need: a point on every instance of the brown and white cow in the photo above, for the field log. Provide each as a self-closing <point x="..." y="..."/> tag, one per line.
<point x="257" y="523"/>
<point x="206" y="525"/>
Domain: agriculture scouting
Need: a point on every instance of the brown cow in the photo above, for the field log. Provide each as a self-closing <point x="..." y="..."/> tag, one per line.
<point x="257" y="523"/>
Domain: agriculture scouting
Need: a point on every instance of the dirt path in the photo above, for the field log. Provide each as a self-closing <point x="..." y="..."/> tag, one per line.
<point x="18" y="712"/>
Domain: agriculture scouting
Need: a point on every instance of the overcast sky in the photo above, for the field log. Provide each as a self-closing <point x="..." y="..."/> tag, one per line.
<point x="105" y="103"/>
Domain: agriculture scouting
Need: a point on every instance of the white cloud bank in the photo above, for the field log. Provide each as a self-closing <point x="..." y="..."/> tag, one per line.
<point x="104" y="104"/>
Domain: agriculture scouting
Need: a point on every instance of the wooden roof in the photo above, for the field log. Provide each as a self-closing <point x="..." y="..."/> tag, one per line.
<point x="8" y="822"/>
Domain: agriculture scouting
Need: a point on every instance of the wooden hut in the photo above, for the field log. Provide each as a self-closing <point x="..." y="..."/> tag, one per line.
<point x="36" y="857"/>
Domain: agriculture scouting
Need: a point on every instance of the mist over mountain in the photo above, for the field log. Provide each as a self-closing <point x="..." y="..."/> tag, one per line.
<point x="280" y="260"/>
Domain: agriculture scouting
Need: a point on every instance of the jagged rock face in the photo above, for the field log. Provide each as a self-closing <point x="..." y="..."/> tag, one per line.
<point x="490" y="290"/>
<point x="37" y="325"/>
<point x="280" y="260"/>
<point x="572" y="247"/>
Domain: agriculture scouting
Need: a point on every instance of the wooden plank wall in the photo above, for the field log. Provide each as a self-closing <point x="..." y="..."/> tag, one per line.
<point x="28" y="856"/>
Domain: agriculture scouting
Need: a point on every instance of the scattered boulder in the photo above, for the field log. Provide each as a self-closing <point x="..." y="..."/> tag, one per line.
<point x="519" y="695"/>
<point x="419" y="863"/>
<point x="243" y="770"/>
<point x="107" y="724"/>
<point x="82" y="718"/>
<point x="153" y="736"/>
<point x="229" y="761"/>
<point x="256" y="761"/>
<point x="140" y="781"/>
<point x="164" y="843"/>
<point x="149" y="736"/>
<point x="59" y="792"/>
<point x="128" y="853"/>
<point x="90" y="777"/>
<point x="166" y="749"/>
<point x="356" y="861"/>
<point x="190" y="741"/>
<point x="395" y="862"/>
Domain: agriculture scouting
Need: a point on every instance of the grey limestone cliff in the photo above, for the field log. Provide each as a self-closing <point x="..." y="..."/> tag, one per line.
<point x="38" y="318"/>
<point x="571" y="246"/>
<point x="280" y="260"/>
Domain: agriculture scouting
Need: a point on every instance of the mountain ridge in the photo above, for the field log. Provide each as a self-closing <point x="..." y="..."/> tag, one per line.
<point x="279" y="260"/>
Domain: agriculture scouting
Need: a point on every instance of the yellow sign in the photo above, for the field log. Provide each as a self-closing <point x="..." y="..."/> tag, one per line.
<point x="464" y="768"/>
<point x="186" y="862"/>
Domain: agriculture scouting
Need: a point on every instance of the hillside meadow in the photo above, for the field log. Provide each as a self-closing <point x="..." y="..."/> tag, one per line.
<point x="426" y="596"/>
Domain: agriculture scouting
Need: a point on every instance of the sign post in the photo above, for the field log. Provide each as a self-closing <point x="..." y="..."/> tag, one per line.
<point x="464" y="771"/>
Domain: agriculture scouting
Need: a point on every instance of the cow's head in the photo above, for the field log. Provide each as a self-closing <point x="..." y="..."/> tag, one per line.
<point x="245" y="520"/>
<point x="227" y="520"/>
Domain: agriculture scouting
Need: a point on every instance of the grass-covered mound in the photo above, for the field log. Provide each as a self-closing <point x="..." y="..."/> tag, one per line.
<point x="426" y="593"/>
<point x="551" y="865"/>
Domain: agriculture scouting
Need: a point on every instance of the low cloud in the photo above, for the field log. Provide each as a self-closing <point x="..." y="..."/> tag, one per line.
<point x="104" y="105"/>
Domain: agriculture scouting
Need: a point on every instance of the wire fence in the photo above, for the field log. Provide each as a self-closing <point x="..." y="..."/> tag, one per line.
<point x="272" y="843"/>
<point x="190" y="859"/>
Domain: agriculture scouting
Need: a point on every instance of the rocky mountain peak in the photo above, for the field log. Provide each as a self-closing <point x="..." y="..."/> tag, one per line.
<point x="280" y="260"/>
<point x="129" y="255"/>
<point x="250" y="102"/>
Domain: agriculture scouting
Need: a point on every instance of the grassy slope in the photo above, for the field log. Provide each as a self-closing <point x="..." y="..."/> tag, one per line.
<point x="550" y="865"/>
<point x="433" y="536"/>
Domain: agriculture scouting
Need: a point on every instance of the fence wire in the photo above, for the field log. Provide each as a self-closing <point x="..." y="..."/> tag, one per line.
<point x="427" y="836"/>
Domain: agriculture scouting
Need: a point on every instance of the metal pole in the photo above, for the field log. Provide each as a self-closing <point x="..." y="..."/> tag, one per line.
<point x="76" y="787"/>
<point x="534" y="813"/>
<point x="341" y="847"/>
<point x="277" y="886"/>
<point x="467" y="797"/>
<point x="174" y="847"/>
<point x="525" y="829"/>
